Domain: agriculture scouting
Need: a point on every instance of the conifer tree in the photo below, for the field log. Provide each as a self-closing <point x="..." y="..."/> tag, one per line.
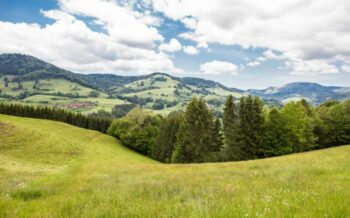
<point x="230" y="130"/>
<point x="194" y="139"/>
<point x="250" y="127"/>
<point x="217" y="136"/>
<point x="166" y="140"/>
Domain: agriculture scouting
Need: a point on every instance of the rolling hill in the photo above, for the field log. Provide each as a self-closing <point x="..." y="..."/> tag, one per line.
<point x="51" y="169"/>
<point x="26" y="79"/>
<point x="312" y="92"/>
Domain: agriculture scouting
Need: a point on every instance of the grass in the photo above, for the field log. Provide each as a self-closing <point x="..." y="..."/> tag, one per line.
<point x="50" y="169"/>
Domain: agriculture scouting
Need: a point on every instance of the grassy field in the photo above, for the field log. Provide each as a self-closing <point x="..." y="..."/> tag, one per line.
<point x="50" y="169"/>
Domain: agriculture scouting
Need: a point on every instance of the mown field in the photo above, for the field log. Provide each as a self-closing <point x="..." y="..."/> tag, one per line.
<point x="51" y="169"/>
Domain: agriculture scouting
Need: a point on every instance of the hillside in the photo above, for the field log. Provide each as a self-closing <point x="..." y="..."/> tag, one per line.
<point x="50" y="169"/>
<point x="26" y="79"/>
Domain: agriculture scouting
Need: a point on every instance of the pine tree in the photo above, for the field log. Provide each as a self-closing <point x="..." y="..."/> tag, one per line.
<point x="230" y="130"/>
<point x="217" y="136"/>
<point x="166" y="140"/>
<point x="194" y="139"/>
<point x="251" y="127"/>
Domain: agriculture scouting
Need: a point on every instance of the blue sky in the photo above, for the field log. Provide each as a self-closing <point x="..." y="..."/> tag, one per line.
<point x="244" y="44"/>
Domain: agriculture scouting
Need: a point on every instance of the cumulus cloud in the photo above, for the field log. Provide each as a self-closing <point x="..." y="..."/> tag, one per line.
<point x="305" y="30"/>
<point x="173" y="46"/>
<point x="218" y="67"/>
<point x="127" y="45"/>
<point x="190" y="50"/>
<point x="311" y="67"/>
<point x="120" y="22"/>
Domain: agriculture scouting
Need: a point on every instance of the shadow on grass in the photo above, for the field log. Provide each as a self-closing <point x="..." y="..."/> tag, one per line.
<point x="28" y="194"/>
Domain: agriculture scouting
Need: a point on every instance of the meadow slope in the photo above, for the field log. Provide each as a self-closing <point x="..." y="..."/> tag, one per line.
<point x="51" y="169"/>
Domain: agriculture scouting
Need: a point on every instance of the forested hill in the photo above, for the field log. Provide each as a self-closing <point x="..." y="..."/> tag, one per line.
<point x="25" y="67"/>
<point x="23" y="76"/>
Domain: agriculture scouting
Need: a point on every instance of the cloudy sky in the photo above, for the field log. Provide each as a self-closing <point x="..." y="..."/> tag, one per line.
<point x="240" y="43"/>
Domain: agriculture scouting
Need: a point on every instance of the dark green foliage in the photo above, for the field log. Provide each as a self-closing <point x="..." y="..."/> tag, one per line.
<point x="122" y="109"/>
<point x="55" y="114"/>
<point x="167" y="137"/>
<point x="194" y="138"/>
<point x="6" y="81"/>
<point x="159" y="104"/>
<point x="218" y="143"/>
<point x="333" y="126"/>
<point x="250" y="127"/>
<point x="138" y="130"/>
<point x="275" y="137"/>
<point x="230" y="130"/>
<point x="94" y="94"/>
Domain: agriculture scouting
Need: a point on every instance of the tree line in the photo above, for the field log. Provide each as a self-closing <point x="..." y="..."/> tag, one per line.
<point x="75" y="119"/>
<point x="248" y="130"/>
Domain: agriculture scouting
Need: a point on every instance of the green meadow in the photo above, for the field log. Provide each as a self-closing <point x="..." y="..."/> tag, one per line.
<point x="51" y="169"/>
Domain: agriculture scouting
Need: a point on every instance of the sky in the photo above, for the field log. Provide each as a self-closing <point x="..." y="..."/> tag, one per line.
<point x="240" y="43"/>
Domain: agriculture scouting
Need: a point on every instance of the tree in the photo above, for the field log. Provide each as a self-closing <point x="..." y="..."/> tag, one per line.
<point x="299" y="127"/>
<point x="166" y="140"/>
<point x="217" y="136"/>
<point x="230" y="130"/>
<point x="6" y="81"/>
<point x="250" y="127"/>
<point x="194" y="138"/>
<point x="94" y="94"/>
<point x="275" y="137"/>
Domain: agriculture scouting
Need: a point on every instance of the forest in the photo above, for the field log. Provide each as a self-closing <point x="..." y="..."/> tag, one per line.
<point x="248" y="130"/>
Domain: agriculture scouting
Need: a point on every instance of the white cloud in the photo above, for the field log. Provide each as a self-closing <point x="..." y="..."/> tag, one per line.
<point x="190" y="50"/>
<point x="190" y="23"/>
<point x="254" y="63"/>
<point x="218" y="67"/>
<point x="312" y="67"/>
<point x="173" y="46"/>
<point x="58" y="15"/>
<point x="345" y="68"/>
<point x="298" y="29"/>
<point x="122" y="24"/>
<point x="69" y="43"/>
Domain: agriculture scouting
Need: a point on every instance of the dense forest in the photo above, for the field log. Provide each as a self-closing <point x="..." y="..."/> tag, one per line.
<point x="75" y="119"/>
<point x="248" y="130"/>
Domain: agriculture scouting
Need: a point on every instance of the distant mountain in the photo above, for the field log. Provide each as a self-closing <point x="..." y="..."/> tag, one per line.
<point x="155" y="91"/>
<point x="312" y="92"/>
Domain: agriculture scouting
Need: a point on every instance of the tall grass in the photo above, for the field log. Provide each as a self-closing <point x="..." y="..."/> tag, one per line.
<point x="39" y="177"/>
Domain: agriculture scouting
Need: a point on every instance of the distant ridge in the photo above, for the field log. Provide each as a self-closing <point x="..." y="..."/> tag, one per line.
<point x="27" y="67"/>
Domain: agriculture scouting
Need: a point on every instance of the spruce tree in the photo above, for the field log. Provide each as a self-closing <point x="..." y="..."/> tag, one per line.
<point x="194" y="139"/>
<point x="166" y="140"/>
<point x="251" y="127"/>
<point x="217" y="136"/>
<point x="230" y="130"/>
